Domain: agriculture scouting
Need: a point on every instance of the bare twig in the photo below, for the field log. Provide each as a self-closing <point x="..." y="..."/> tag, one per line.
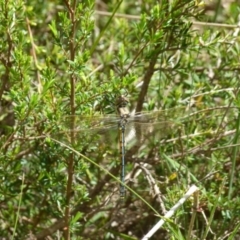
<point x="153" y="185"/>
<point x="34" y="55"/>
<point x="170" y="213"/>
<point x="197" y="23"/>
<point x="195" y="208"/>
<point x="70" y="163"/>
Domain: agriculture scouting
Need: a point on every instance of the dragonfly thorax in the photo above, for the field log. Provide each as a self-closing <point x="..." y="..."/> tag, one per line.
<point x="121" y="106"/>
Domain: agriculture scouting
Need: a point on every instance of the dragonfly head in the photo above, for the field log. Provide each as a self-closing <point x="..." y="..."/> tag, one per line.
<point x="122" y="101"/>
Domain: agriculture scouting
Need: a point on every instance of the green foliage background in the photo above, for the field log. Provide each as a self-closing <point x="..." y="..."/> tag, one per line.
<point x="63" y="58"/>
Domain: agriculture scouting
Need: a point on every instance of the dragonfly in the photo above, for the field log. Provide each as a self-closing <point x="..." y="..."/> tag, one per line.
<point x="138" y="128"/>
<point x="142" y="119"/>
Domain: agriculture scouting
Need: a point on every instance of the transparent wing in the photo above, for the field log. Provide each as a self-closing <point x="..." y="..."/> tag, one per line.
<point x="172" y="114"/>
<point x="156" y="123"/>
<point x="81" y="127"/>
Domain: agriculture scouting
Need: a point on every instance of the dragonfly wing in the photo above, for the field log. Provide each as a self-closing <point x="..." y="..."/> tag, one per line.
<point x="170" y="123"/>
<point x="172" y="114"/>
<point x="140" y="133"/>
<point x="79" y="128"/>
